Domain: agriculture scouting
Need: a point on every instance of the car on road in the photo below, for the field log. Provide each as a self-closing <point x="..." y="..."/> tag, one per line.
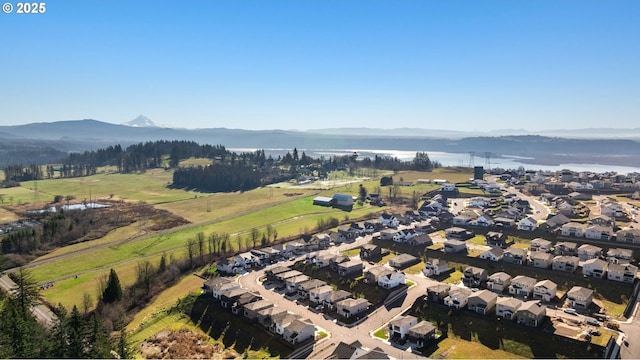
<point x="593" y="322"/>
<point x="570" y="311"/>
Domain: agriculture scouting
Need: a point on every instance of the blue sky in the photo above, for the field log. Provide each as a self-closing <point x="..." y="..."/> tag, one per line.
<point x="270" y="64"/>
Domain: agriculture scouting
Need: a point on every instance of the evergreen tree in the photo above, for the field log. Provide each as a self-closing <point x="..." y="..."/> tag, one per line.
<point x="76" y="330"/>
<point x="99" y="341"/>
<point x="113" y="291"/>
<point x="124" y="349"/>
<point x="59" y="335"/>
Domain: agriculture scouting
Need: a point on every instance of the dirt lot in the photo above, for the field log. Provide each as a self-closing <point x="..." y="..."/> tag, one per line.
<point x="183" y="344"/>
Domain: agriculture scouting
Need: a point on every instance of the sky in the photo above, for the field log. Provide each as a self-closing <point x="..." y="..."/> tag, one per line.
<point x="268" y="64"/>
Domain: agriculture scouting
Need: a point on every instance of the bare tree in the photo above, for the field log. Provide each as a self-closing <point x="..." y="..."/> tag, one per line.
<point x="190" y="246"/>
<point x="254" y="236"/>
<point x="87" y="302"/>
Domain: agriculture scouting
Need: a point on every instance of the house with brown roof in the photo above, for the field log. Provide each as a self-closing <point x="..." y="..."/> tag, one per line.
<point x="629" y="235"/>
<point x="522" y="285"/>
<point x="499" y="282"/>
<point x="494" y="254"/>
<point x="539" y="259"/>
<point x="251" y="309"/>
<point x="580" y="297"/>
<point x="333" y="298"/>
<point x="350" y="268"/>
<point x="540" y="244"/>
<point x="515" y="255"/>
<point x="545" y="290"/>
<point x="482" y="302"/>
<point x="496" y="238"/>
<point x="588" y="251"/>
<point x="403" y="260"/>
<point x="619" y="256"/>
<point x="298" y="331"/>
<point x="595" y="267"/>
<point x="474" y="276"/>
<point x="566" y="248"/>
<point x="506" y="307"/>
<point x="565" y="263"/>
<point x="351" y="307"/>
<point x="626" y="273"/>
<point x="458" y="297"/>
<point x="454" y="246"/>
<point x="531" y="313"/>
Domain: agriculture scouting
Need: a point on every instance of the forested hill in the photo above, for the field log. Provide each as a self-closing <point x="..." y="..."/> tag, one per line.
<point x="90" y="134"/>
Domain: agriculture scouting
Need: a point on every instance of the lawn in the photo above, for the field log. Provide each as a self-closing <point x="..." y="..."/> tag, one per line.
<point x="350" y="252"/>
<point x="195" y="162"/>
<point x="381" y="333"/>
<point x="477" y="240"/>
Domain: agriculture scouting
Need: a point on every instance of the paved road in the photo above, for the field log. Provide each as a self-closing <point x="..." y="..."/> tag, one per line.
<point x="44" y="315"/>
<point x="363" y="331"/>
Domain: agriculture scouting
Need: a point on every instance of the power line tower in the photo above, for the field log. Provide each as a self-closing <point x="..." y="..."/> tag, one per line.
<point x="472" y="156"/>
<point x="487" y="160"/>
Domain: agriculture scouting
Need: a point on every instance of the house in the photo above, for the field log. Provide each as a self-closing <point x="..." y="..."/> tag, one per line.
<point x="425" y="226"/>
<point x="237" y="303"/>
<point x="565" y="263"/>
<point x="454" y="246"/>
<point x="540" y="244"/>
<point x="599" y="232"/>
<point x="421" y="333"/>
<point x="292" y="283"/>
<point x="522" y="285"/>
<point x="403" y="260"/>
<point x="324" y="260"/>
<point x="573" y="229"/>
<point x="554" y="223"/>
<point x="448" y="187"/>
<point x="499" y="282"/>
<point x="438" y="292"/>
<point x="515" y="255"/>
<point x="619" y="256"/>
<point x="370" y="251"/>
<point x="493" y="254"/>
<point x="506" y="307"/>
<point x="421" y="240"/>
<point x="622" y="272"/>
<point x="435" y="267"/>
<point x="372" y="274"/>
<point x="496" y="238"/>
<point x="482" y="302"/>
<point x="351" y="307"/>
<point x="296" y="247"/>
<point x="566" y="248"/>
<point x="602" y="220"/>
<point x="388" y="234"/>
<point x="399" y="327"/>
<point x="354" y="350"/>
<point x="274" y="272"/>
<point x="219" y="287"/>
<point x="211" y="284"/>
<point x="229" y="297"/>
<point x="306" y="287"/>
<point x="391" y="279"/>
<point x="458" y="233"/>
<point x="350" y="268"/>
<point x="528" y="224"/>
<point x="531" y="313"/>
<point x="265" y="316"/>
<point x="298" y="331"/>
<point x="474" y="276"/>
<point x="579" y="297"/>
<point x="336" y="296"/>
<point x="280" y="321"/>
<point x="337" y="237"/>
<point x="545" y="290"/>
<point x="611" y="209"/>
<point x="588" y="251"/>
<point x="404" y="235"/>
<point x="389" y="220"/>
<point x="251" y="309"/>
<point x="337" y="260"/>
<point x="319" y="294"/>
<point x="630" y="236"/>
<point x="540" y="259"/>
<point x="458" y="297"/>
<point x="230" y="266"/>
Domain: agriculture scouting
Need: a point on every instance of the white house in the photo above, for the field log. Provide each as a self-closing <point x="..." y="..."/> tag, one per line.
<point x="391" y="279"/>
<point x="599" y="232"/>
<point x="528" y="224"/>
<point x="573" y="229"/>
<point x="319" y="294"/>
<point x="624" y="273"/>
<point x="580" y="297"/>
<point x="389" y="220"/>
<point x="493" y="254"/>
<point x="400" y="326"/>
<point x="522" y="285"/>
<point x="458" y="297"/>
<point x="595" y="267"/>
<point x="499" y="281"/>
<point x="588" y="251"/>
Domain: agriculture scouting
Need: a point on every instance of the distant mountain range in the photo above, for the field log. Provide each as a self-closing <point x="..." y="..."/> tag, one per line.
<point x="143" y="121"/>
<point x="81" y="135"/>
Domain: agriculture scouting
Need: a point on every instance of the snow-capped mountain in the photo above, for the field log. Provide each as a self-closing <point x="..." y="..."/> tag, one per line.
<point x="143" y="121"/>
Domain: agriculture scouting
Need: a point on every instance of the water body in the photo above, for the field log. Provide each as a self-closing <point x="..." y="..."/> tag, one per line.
<point x="455" y="159"/>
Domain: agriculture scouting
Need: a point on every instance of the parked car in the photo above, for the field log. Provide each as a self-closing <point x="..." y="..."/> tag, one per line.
<point x="593" y="322"/>
<point x="570" y="311"/>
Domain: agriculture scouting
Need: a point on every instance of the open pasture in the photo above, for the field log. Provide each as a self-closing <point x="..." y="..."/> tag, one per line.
<point x="7" y="216"/>
<point x="150" y="187"/>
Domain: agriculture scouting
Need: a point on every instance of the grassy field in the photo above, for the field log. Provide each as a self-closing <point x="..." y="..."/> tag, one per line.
<point x="150" y="187"/>
<point x="7" y="216"/>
